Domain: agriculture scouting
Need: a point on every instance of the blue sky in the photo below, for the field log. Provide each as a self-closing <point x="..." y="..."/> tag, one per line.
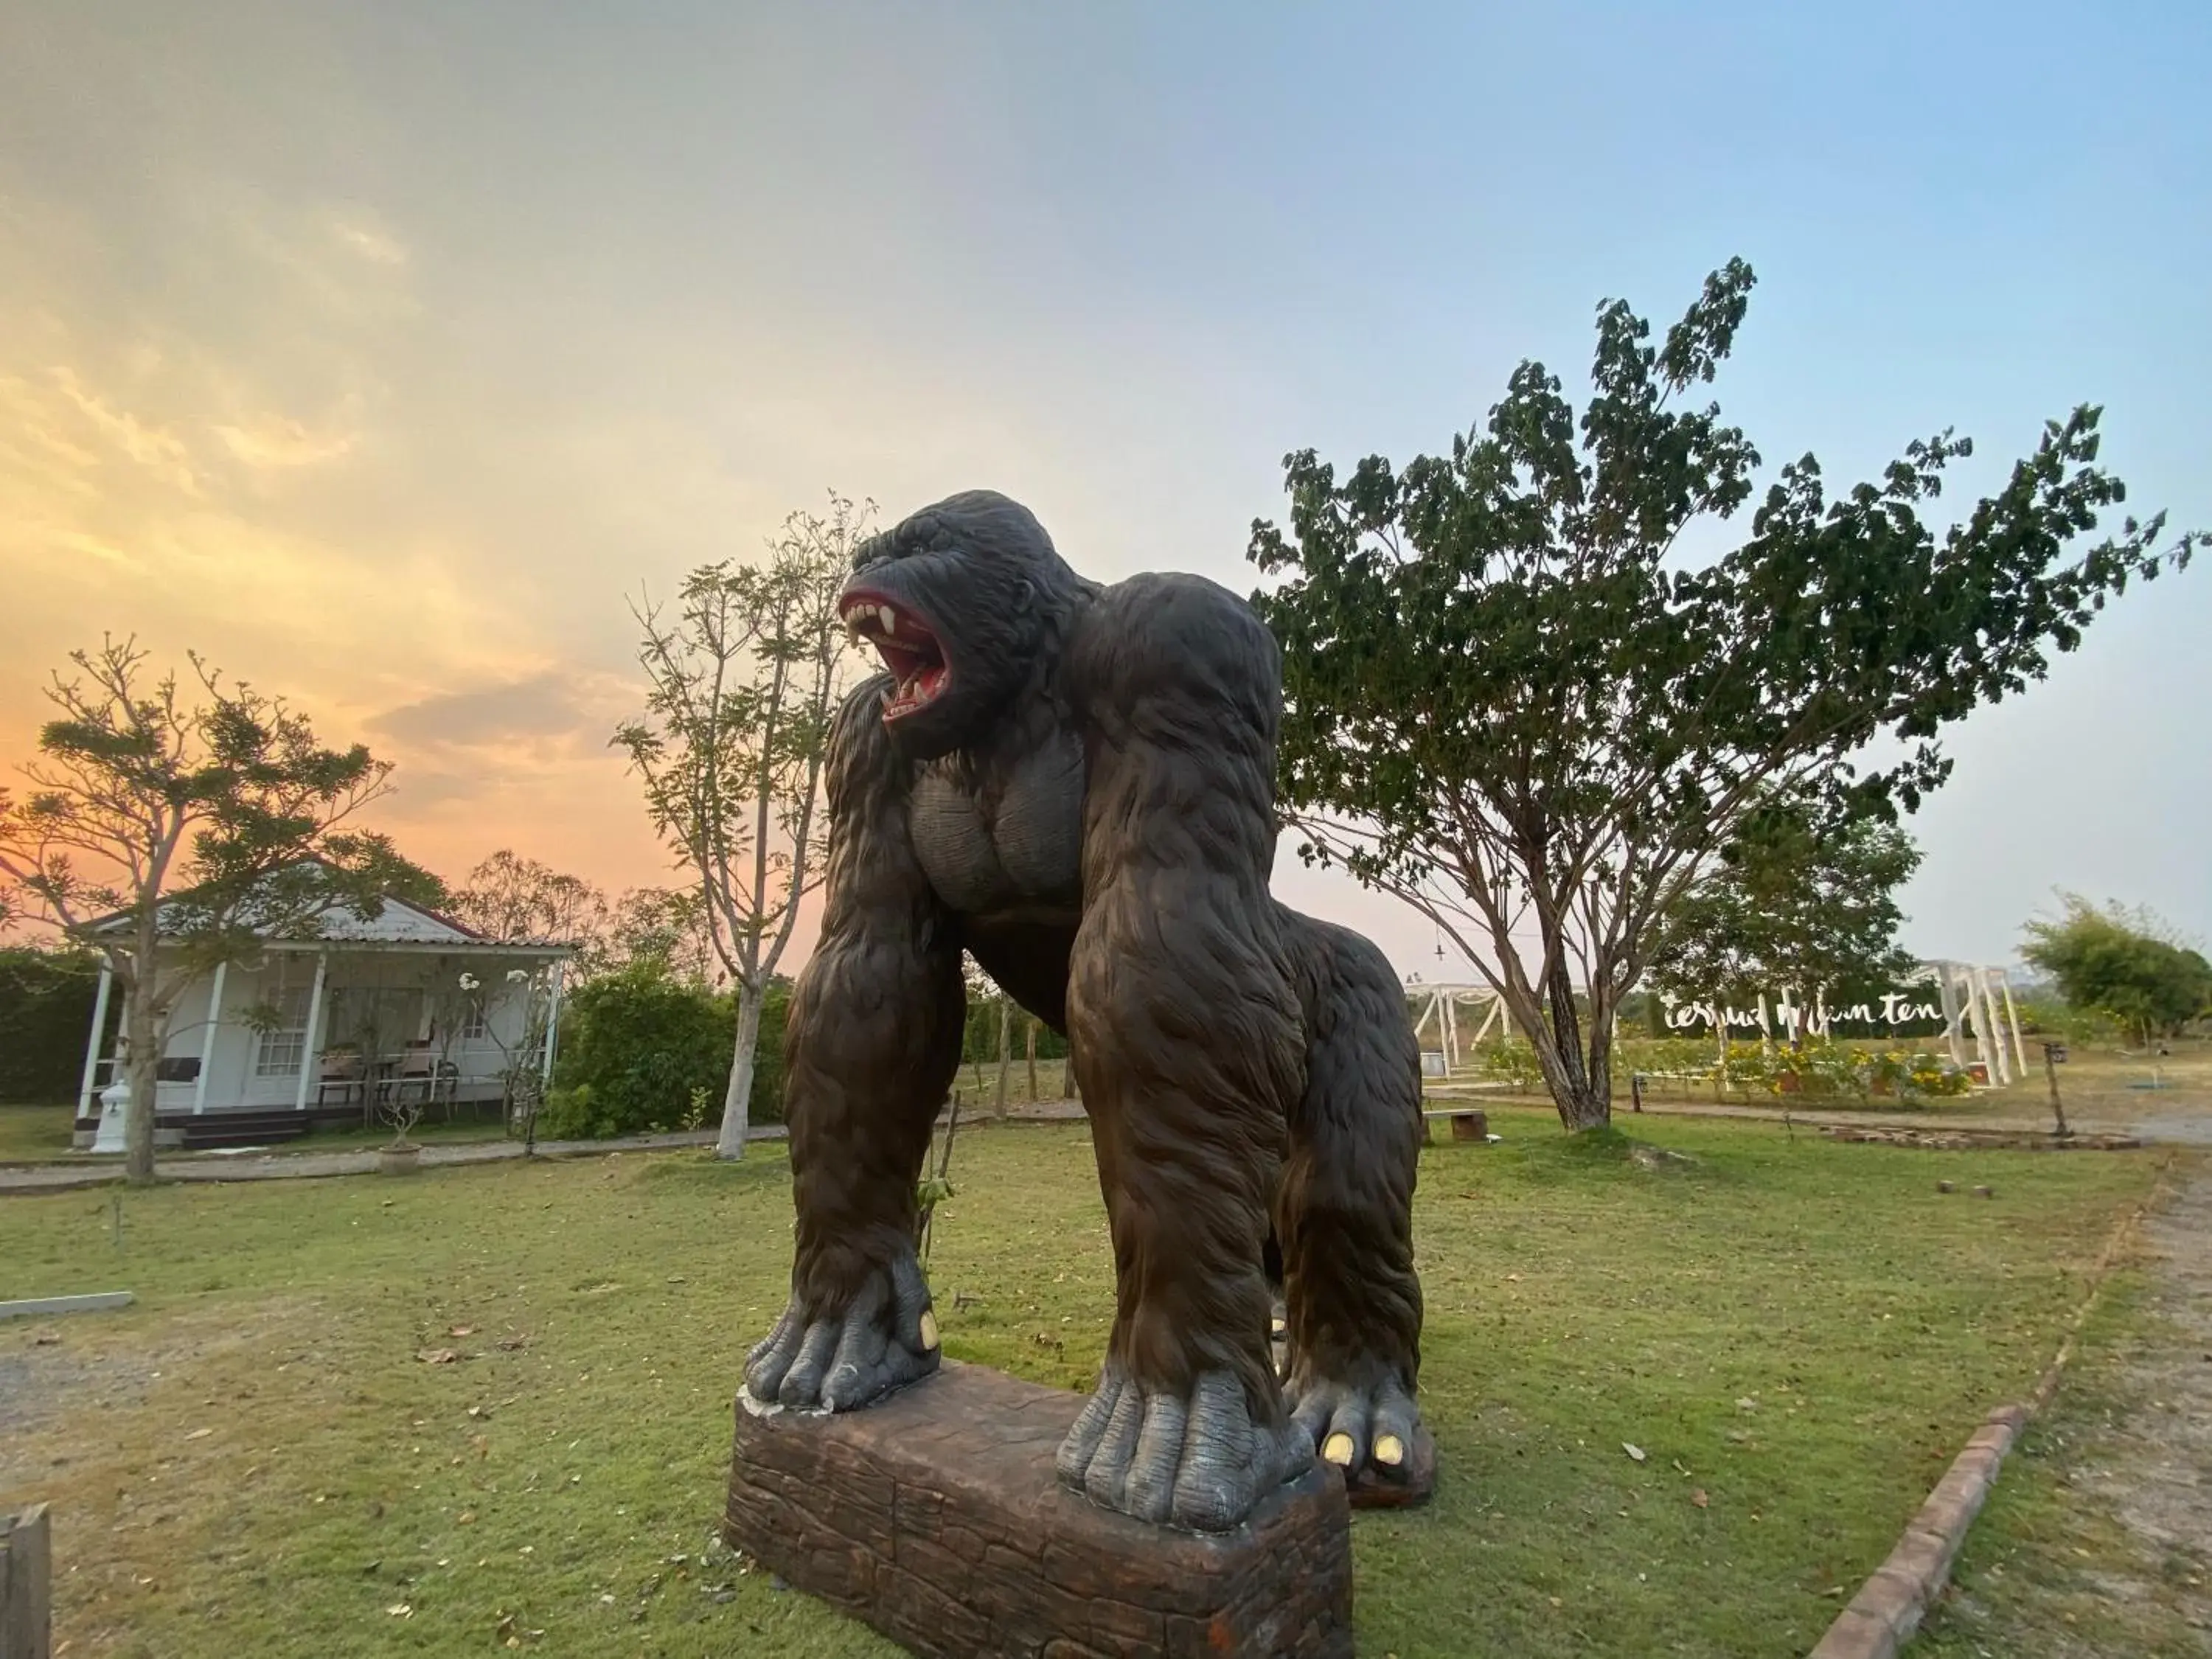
<point x="381" y="351"/>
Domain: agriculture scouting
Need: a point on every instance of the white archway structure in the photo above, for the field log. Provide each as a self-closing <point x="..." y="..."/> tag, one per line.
<point x="1977" y="1002"/>
<point x="1441" y="1008"/>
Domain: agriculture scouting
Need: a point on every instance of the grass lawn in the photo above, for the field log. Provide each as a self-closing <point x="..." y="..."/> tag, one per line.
<point x="34" y="1134"/>
<point x="257" y="1459"/>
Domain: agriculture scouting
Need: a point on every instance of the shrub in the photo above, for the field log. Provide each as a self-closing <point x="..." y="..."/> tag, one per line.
<point x="642" y="1049"/>
<point x="45" y="1009"/>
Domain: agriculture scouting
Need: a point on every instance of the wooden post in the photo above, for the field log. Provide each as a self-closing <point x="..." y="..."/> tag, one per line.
<point x="1032" y="1058"/>
<point x="27" y="1573"/>
<point x="1005" y="1062"/>
<point x="2051" y="1071"/>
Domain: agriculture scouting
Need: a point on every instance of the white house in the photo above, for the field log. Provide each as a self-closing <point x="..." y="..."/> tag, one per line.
<point x="411" y="1007"/>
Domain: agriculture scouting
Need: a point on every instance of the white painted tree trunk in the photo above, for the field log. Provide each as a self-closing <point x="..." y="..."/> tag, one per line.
<point x="737" y="1103"/>
<point x="140" y="1053"/>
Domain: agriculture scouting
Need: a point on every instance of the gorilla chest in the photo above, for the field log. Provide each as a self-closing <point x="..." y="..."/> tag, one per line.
<point x="1005" y="843"/>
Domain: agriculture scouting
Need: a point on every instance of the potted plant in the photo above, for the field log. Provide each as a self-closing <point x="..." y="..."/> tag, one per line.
<point x="400" y="1155"/>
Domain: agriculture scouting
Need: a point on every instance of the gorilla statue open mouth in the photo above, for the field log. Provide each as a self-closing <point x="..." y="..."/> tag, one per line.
<point x="1074" y="783"/>
<point x="908" y="645"/>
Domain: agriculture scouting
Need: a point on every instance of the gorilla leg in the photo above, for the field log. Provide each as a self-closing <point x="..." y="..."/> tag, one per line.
<point x="1183" y="1058"/>
<point x="870" y="1051"/>
<point x="1344" y="1212"/>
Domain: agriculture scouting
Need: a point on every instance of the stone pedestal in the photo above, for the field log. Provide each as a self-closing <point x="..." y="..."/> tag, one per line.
<point x="114" y="1107"/>
<point x="934" y="1517"/>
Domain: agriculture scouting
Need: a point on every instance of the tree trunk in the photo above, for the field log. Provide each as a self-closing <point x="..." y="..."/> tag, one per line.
<point x="141" y="1053"/>
<point x="1581" y="1106"/>
<point x="1006" y="1055"/>
<point x="1032" y="1060"/>
<point x="737" y="1103"/>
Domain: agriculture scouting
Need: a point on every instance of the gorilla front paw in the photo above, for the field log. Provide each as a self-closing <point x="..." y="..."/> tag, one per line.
<point x="838" y="1358"/>
<point x="1374" y="1434"/>
<point x="1195" y="1461"/>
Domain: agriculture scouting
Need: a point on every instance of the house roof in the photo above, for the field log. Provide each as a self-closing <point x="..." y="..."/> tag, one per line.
<point x="398" y="922"/>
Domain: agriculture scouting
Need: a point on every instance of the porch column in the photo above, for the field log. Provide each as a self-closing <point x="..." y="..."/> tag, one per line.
<point x="207" y="1037"/>
<point x="92" y="1043"/>
<point x="311" y="1042"/>
<point x="552" y="1025"/>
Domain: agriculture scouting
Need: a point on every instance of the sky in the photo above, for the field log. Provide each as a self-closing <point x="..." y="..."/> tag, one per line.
<point x="386" y="354"/>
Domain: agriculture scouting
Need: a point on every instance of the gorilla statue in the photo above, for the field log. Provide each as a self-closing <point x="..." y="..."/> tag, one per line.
<point x="1076" y="783"/>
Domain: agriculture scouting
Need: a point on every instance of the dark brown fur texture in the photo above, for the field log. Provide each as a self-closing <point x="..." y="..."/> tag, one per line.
<point x="1086" y="805"/>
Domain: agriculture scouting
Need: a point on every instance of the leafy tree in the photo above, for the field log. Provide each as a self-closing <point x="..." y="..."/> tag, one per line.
<point x="199" y="819"/>
<point x="1512" y="700"/>
<point x="742" y="684"/>
<point x="2124" y="963"/>
<point x="1785" y="904"/>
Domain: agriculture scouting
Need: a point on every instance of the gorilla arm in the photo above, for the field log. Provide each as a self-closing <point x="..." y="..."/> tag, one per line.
<point x="870" y="1052"/>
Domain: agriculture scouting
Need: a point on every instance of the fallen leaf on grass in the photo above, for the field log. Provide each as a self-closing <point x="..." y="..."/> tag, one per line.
<point x="400" y="1610"/>
<point x="200" y="1434"/>
<point x="1700" y="1498"/>
<point x="1636" y="1452"/>
<point x="462" y="1330"/>
<point x="520" y="1339"/>
<point x="437" y="1356"/>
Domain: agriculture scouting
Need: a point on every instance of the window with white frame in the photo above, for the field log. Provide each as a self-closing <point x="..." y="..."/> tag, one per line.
<point x="283" y="1045"/>
<point x="473" y="1028"/>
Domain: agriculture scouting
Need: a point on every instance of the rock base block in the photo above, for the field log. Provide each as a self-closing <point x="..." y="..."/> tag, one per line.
<point x="934" y="1517"/>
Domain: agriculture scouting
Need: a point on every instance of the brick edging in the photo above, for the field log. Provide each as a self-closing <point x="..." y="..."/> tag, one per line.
<point x="1889" y="1607"/>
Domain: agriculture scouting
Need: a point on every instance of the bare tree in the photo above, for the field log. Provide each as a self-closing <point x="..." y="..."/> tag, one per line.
<point x="170" y="826"/>
<point x="512" y="898"/>
<point x="667" y="925"/>
<point x="743" y="681"/>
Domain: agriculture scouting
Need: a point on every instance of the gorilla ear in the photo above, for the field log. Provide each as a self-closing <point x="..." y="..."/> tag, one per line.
<point x="1024" y="591"/>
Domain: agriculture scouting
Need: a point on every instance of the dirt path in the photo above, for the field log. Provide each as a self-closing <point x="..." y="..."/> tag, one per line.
<point x="2099" y="1540"/>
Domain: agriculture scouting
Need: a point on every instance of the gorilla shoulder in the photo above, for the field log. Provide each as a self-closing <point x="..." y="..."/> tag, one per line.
<point x="1160" y="643"/>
